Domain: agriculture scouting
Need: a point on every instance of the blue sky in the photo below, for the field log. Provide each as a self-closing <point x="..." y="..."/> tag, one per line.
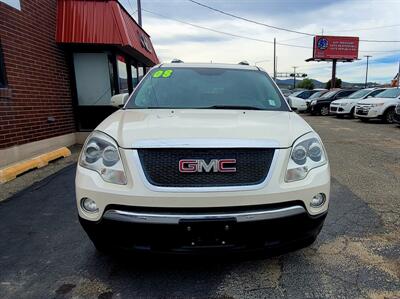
<point x="334" y="17"/>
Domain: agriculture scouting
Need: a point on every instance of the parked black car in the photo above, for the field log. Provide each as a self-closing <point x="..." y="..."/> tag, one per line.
<point x="396" y="116"/>
<point x="320" y="106"/>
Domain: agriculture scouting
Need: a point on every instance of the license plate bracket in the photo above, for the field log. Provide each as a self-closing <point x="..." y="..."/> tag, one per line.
<point x="208" y="232"/>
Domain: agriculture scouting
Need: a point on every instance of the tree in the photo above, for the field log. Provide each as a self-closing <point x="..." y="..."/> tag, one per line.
<point x="306" y="83"/>
<point x="338" y="84"/>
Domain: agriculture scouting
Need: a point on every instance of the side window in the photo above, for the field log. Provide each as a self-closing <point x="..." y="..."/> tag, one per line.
<point x="122" y="74"/>
<point x="3" y="81"/>
<point x="375" y="92"/>
<point x="343" y="94"/>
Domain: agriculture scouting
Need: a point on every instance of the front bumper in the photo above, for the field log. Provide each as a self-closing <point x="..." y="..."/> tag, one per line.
<point x="338" y="110"/>
<point x="140" y="224"/>
<point x="368" y="112"/>
<point x="201" y="235"/>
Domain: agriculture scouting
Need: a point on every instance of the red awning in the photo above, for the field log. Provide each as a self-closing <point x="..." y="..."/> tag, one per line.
<point x="102" y="22"/>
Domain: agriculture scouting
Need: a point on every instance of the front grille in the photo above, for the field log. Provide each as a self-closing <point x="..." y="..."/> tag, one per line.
<point x="333" y="108"/>
<point x="161" y="166"/>
<point x="398" y="109"/>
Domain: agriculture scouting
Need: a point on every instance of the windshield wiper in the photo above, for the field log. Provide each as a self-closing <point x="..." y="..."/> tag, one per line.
<point x="232" y="107"/>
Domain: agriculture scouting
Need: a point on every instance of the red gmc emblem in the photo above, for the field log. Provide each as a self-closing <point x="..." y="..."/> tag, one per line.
<point x="215" y="165"/>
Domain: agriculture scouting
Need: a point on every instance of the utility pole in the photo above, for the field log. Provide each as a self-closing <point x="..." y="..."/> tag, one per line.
<point x="366" y="71"/>
<point x="333" y="79"/>
<point x="294" y="77"/>
<point x="139" y="12"/>
<point x="274" y="59"/>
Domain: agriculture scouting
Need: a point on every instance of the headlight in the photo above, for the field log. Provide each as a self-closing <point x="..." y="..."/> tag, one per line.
<point x="313" y="102"/>
<point x="377" y="104"/>
<point x="100" y="153"/>
<point x="307" y="153"/>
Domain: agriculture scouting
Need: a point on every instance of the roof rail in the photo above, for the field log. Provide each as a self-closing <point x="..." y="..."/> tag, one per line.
<point x="176" y="60"/>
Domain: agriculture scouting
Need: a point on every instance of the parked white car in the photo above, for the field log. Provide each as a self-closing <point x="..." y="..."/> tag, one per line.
<point x="381" y="107"/>
<point x="346" y="106"/>
<point x="203" y="157"/>
<point x="297" y="100"/>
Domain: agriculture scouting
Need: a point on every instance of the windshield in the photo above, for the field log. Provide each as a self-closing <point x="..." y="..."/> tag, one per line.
<point x="390" y="93"/>
<point x="296" y="93"/>
<point x="359" y="94"/>
<point x="317" y="94"/>
<point x="214" y="88"/>
<point x="329" y="94"/>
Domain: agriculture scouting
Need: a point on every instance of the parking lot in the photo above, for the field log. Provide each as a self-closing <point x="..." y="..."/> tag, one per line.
<point x="44" y="253"/>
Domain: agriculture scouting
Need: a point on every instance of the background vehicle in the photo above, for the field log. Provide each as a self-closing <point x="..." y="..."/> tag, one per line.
<point x="203" y="157"/>
<point x="320" y="106"/>
<point x="286" y="92"/>
<point x="297" y="99"/>
<point x="346" y="106"/>
<point x="382" y="106"/>
<point x="316" y="95"/>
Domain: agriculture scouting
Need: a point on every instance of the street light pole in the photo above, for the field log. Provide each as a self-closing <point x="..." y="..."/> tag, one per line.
<point x="274" y="59"/>
<point x="294" y="77"/>
<point x="366" y="71"/>
<point x="139" y="9"/>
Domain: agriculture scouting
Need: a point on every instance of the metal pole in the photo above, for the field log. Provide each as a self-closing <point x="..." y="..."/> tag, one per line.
<point x="139" y="9"/>
<point x="366" y="71"/>
<point x="294" y="77"/>
<point x="333" y="79"/>
<point x="274" y="59"/>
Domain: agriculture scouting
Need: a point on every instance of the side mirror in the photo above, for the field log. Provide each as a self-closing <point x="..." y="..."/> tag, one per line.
<point x="119" y="100"/>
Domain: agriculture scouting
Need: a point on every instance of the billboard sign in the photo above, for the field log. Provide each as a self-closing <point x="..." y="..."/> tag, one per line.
<point x="335" y="47"/>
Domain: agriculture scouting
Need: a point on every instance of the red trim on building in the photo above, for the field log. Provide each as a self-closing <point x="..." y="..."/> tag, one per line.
<point x="102" y="22"/>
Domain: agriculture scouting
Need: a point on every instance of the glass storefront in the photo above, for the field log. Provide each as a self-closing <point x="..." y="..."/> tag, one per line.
<point x="99" y="76"/>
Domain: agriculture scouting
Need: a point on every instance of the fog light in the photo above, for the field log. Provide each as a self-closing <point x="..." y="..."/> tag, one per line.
<point x="89" y="205"/>
<point x="318" y="200"/>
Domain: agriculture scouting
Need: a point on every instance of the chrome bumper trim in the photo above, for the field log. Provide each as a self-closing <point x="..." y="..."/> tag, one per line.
<point x="175" y="218"/>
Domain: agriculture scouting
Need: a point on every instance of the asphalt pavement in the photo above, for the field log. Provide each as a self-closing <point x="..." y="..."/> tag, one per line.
<point x="44" y="253"/>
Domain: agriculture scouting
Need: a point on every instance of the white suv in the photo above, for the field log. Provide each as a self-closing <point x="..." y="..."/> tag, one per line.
<point x="203" y="157"/>
<point x="346" y="106"/>
<point x="381" y="107"/>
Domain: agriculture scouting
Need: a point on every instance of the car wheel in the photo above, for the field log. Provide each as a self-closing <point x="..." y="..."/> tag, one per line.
<point x="352" y="113"/>
<point x="324" y="110"/>
<point x="388" y="117"/>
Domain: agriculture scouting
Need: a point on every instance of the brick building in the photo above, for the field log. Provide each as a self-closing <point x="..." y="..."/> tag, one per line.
<point x="60" y="63"/>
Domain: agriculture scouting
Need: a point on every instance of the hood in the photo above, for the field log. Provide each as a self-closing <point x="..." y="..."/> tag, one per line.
<point x="132" y="126"/>
<point x="340" y="101"/>
<point x="378" y="100"/>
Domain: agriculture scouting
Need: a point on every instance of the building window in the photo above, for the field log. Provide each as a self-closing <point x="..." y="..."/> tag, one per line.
<point x="140" y="72"/>
<point x="135" y="79"/>
<point x="93" y="79"/>
<point x="122" y="75"/>
<point x="3" y="81"/>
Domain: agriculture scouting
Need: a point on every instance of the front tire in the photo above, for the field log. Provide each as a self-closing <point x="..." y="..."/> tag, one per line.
<point x="352" y="111"/>
<point x="388" y="117"/>
<point x="324" y="111"/>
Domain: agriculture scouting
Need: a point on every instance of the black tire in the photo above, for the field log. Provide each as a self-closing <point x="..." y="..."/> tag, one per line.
<point x="351" y="115"/>
<point x="324" y="110"/>
<point x="388" y="116"/>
